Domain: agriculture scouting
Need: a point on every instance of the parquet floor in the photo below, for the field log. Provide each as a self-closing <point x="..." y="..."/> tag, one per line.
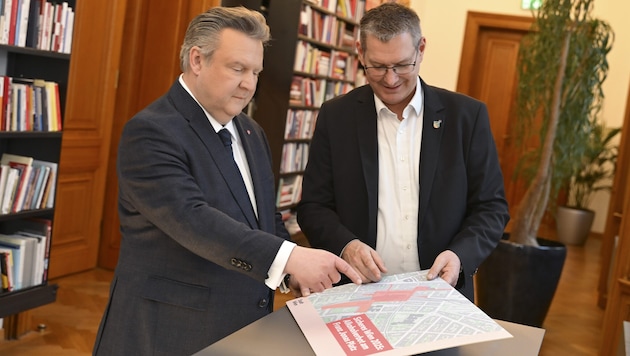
<point x="573" y="324"/>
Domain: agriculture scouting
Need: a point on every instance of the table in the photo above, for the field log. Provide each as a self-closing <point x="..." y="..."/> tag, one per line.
<point x="277" y="334"/>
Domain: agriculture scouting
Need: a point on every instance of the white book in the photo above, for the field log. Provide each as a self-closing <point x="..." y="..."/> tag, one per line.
<point x="20" y="33"/>
<point x="49" y="16"/>
<point x="4" y="173"/>
<point x="39" y="230"/>
<point x="24" y="164"/>
<point x="9" y="190"/>
<point x="37" y="263"/>
<point x="19" y="255"/>
<point x="68" y="30"/>
<point x="4" y="36"/>
<point x="62" y="27"/>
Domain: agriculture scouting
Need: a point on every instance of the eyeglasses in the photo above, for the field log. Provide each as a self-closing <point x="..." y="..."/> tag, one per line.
<point x="379" y="71"/>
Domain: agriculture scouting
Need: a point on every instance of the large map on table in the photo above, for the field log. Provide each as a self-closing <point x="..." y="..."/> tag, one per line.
<point x="400" y="315"/>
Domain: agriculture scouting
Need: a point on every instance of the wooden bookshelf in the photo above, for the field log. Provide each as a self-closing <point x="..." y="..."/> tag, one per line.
<point x="311" y="59"/>
<point x="51" y="65"/>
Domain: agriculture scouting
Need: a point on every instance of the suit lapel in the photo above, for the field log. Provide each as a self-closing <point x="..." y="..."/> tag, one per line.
<point x="224" y="162"/>
<point x="430" y="150"/>
<point x="256" y="159"/>
<point x="368" y="147"/>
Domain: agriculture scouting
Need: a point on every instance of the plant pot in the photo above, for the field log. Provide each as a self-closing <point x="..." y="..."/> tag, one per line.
<point x="573" y="225"/>
<point x="516" y="282"/>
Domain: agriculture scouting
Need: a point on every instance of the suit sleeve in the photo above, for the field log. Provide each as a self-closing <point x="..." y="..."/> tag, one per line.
<point x="486" y="208"/>
<point x="318" y="213"/>
<point x="168" y="182"/>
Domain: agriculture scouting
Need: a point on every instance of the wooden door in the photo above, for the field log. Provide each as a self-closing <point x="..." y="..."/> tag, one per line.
<point x="86" y="136"/>
<point x="149" y="66"/>
<point x="488" y="72"/>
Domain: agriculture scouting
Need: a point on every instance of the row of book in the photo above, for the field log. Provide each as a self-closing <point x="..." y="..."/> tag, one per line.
<point x="29" y="105"/>
<point x="26" y="183"/>
<point x="326" y="28"/>
<point x="351" y="9"/>
<point x="294" y="157"/>
<point x="300" y="124"/>
<point x="334" y="63"/>
<point x="289" y="190"/>
<point x="313" y="92"/>
<point x="24" y="253"/>
<point x="40" y="24"/>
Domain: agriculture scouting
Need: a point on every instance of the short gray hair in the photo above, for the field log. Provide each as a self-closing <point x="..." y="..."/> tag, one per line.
<point x="205" y="29"/>
<point x="387" y="21"/>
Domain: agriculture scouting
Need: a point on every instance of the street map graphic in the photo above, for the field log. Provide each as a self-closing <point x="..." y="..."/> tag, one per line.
<point x="400" y="315"/>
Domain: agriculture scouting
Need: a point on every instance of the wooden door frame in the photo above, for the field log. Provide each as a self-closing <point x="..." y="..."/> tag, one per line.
<point x="148" y="68"/>
<point x="475" y="21"/>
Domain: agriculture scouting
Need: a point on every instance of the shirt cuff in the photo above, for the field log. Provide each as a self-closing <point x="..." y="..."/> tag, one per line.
<point x="276" y="271"/>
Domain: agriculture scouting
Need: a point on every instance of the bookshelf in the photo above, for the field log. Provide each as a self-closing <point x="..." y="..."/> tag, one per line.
<point x="25" y="62"/>
<point x="311" y="59"/>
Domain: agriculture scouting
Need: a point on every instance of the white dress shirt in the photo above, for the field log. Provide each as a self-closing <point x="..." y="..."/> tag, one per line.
<point x="399" y="144"/>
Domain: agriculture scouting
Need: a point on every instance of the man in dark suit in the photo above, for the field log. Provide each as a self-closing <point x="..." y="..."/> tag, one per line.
<point x="203" y="247"/>
<point x="403" y="176"/>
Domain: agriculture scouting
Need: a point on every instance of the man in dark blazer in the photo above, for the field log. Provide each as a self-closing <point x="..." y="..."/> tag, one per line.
<point x="403" y="176"/>
<point x="203" y="247"/>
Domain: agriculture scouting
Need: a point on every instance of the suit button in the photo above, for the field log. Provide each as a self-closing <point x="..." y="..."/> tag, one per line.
<point x="247" y="267"/>
<point x="263" y="303"/>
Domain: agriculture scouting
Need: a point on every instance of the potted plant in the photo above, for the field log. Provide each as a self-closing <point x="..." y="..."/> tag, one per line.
<point x="574" y="219"/>
<point x="561" y="67"/>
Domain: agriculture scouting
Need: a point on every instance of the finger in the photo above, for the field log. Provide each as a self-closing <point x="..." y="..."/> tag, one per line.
<point x="305" y="292"/>
<point x="370" y="269"/>
<point x="343" y="267"/>
<point x="434" y="271"/>
<point x="379" y="262"/>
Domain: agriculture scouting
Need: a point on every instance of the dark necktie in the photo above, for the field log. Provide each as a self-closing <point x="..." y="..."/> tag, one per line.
<point x="226" y="138"/>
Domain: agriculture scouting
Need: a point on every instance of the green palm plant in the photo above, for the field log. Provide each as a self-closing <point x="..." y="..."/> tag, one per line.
<point x="598" y="167"/>
<point x="562" y="66"/>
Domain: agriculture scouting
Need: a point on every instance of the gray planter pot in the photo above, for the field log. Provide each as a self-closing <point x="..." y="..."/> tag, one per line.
<point x="573" y="225"/>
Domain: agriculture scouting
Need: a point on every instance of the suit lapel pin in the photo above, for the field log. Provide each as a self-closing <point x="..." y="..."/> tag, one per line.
<point x="249" y="132"/>
<point x="437" y="124"/>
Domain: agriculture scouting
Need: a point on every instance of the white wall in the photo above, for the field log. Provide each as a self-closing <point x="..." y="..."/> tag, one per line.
<point x="443" y="24"/>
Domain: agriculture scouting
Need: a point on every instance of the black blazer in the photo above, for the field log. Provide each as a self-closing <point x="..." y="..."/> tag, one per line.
<point x="462" y="203"/>
<point x="193" y="256"/>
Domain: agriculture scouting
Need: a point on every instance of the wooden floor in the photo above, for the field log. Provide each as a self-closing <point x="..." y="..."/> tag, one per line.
<point x="573" y="324"/>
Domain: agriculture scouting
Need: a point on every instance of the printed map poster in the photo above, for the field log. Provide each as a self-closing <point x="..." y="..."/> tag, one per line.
<point x="402" y="314"/>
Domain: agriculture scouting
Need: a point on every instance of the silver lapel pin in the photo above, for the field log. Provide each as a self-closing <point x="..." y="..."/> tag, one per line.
<point x="437" y="124"/>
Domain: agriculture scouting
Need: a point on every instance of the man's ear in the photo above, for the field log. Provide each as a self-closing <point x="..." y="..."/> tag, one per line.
<point x="195" y="57"/>
<point x="360" y="52"/>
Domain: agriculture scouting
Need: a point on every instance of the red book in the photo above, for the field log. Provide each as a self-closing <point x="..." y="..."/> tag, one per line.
<point x="13" y="22"/>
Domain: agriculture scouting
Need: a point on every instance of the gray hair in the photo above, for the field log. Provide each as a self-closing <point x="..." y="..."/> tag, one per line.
<point x="387" y="21"/>
<point x="205" y="29"/>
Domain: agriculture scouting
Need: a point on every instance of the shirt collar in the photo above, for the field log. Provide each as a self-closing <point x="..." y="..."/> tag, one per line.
<point x="415" y="104"/>
<point x="215" y="124"/>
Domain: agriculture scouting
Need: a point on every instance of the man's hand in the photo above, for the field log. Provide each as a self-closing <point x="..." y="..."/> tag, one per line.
<point x="314" y="270"/>
<point x="364" y="260"/>
<point x="447" y="266"/>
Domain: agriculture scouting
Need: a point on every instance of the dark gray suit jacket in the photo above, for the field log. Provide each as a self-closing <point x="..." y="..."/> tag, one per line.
<point x="193" y="256"/>
<point x="462" y="202"/>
